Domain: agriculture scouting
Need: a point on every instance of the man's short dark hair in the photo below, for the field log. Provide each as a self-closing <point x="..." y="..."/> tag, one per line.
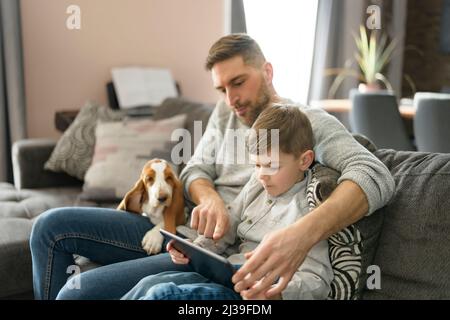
<point x="236" y="44"/>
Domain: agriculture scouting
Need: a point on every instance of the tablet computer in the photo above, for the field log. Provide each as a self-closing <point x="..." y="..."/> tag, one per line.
<point x="207" y="263"/>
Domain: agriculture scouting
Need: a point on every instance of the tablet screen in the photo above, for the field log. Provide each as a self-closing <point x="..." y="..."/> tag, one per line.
<point x="207" y="263"/>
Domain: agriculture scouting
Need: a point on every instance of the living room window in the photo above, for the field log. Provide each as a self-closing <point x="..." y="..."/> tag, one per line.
<point x="285" y="30"/>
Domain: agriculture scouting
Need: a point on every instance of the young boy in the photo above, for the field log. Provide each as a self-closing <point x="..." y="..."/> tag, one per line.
<point x="273" y="198"/>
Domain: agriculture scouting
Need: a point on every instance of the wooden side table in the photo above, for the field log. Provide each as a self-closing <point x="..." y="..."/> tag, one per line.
<point x="63" y="119"/>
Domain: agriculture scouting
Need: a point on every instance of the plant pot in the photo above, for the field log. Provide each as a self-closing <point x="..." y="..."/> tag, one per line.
<point x="369" y="87"/>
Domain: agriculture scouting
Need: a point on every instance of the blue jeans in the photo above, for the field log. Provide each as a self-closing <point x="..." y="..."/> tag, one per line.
<point x="175" y="285"/>
<point x="105" y="236"/>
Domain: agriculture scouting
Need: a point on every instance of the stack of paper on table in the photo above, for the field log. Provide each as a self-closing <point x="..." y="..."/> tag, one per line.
<point x="136" y="86"/>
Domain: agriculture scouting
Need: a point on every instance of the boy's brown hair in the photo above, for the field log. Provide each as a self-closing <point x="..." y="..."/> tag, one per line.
<point x="295" y="131"/>
<point x="236" y="44"/>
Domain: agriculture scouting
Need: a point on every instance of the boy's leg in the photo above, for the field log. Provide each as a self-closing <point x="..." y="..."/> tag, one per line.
<point x="103" y="235"/>
<point x="141" y="289"/>
<point x="180" y="286"/>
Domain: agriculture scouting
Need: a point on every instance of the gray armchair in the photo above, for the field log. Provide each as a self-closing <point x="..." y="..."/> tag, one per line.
<point x="376" y="115"/>
<point x="431" y="126"/>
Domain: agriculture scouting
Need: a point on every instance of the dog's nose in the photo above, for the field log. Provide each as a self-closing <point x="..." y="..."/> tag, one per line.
<point x="162" y="199"/>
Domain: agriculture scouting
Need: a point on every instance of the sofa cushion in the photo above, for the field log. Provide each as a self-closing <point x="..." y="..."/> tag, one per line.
<point x="18" y="210"/>
<point x="195" y="112"/>
<point x="28" y="203"/>
<point x="413" y="253"/>
<point x="121" y="151"/>
<point x="15" y="257"/>
<point x="74" y="150"/>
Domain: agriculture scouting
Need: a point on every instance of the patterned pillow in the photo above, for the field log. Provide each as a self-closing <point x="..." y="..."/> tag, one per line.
<point x="353" y="248"/>
<point x="121" y="150"/>
<point x="74" y="150"/>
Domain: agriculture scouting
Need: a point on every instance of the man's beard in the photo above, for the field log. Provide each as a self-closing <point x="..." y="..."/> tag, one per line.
<point x="254" y="109"/>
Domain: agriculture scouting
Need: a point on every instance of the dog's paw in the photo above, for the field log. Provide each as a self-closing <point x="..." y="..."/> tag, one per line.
<point x="152" y="242"/>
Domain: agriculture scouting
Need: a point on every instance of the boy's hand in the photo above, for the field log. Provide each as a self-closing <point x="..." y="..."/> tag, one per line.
<point x="177" y="256"/>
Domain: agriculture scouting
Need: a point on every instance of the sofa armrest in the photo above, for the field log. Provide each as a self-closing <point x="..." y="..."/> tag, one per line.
<point x="29" y="157"/>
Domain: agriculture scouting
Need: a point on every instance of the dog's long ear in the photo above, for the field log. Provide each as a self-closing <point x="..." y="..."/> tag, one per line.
<point x="132" y="202"/>
<point x="174" y="215"/>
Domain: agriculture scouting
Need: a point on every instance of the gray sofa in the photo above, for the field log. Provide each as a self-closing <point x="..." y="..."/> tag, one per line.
<point x="37" y="190"/>
<point x="412" y="246"/>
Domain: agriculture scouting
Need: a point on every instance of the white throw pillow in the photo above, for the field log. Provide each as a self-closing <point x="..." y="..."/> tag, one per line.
<point x="121" y="150"/>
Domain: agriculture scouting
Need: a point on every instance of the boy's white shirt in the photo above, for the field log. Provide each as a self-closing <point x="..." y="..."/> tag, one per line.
<point x="253" y="214"/>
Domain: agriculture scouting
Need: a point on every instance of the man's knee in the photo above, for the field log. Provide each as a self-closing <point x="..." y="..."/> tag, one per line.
<point x="45" y="223"/>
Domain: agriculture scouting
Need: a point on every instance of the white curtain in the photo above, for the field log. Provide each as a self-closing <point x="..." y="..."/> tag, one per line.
<point x="12" y="96"/>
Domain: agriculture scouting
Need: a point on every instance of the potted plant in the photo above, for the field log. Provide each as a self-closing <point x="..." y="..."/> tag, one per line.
<point x="372" y="56"/>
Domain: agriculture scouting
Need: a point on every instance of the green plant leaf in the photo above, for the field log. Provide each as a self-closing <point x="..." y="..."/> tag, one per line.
<point x="362" y="66"/>
<point x="344" y="73"/>
<point x="364" y="41"/>
<point x="372" y="55"/>
<point x="411" y="83"/>
<point x="381" y="45"/>
<point x="386" y="55"/>
<point x="372" y="59"/>
<point x="383" y="79"/>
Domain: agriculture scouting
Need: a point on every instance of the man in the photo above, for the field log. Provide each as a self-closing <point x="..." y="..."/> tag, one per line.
<point x="241" y="73"/>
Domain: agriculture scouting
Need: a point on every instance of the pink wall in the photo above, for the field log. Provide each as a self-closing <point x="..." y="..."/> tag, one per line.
<point x="64" y="68"/>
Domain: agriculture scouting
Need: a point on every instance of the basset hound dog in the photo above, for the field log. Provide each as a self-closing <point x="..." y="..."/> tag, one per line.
<point x="158" y="194"/>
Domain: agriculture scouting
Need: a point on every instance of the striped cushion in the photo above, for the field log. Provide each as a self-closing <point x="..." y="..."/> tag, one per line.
<point x="351" y="249"/>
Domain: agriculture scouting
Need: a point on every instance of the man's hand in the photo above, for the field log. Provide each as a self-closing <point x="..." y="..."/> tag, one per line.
<point x="259" y="296"/>
<point x="210" y="218"/>
<point x="278" y="256"/>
